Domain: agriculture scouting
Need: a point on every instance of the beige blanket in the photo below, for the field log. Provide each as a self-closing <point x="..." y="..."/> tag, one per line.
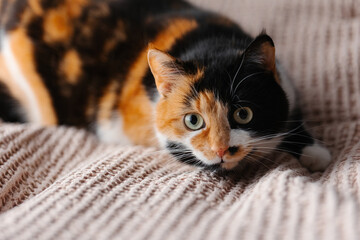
<point x="61" y="183"/>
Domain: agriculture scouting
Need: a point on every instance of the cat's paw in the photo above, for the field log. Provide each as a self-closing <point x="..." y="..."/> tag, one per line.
<point x="315" y="158"/>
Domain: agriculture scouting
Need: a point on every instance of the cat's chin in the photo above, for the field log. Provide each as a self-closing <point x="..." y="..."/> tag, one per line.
<point x="229" y="165"/>
<point x="222" y="167"/>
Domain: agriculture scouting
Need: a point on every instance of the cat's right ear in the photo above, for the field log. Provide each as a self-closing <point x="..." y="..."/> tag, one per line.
<point x="165" y="70"/>
<point x="262" y="52"/>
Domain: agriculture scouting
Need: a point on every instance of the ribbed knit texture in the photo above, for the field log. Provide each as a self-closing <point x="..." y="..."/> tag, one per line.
<point x="61" y="183"/>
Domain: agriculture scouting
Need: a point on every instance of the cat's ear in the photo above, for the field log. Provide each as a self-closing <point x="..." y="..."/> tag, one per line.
<point x="165" y="70"/>
<point x="262" y="51"/>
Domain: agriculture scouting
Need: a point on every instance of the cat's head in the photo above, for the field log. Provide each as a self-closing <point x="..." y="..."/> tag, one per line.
<point x="218" y="112"/>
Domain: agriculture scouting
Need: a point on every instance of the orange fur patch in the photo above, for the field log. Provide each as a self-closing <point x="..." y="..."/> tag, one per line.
<point x="221" y="21"/>
<point x="74" y="7"/>
<point x="217" y="133"/>
<point x="170" y="112"/>
<point x="22" y="49"/>
<point x="269" y="57"/>
<point x="27" y="17"/>
<point x="71" y="66"/>
<point x="107" y="101"/>
<point x="57" y="26"/>
<point x="58" y="23"/>
<point x="36" y="7"/>
<point x="135" y="106"/>
<point x="176" y="29"/>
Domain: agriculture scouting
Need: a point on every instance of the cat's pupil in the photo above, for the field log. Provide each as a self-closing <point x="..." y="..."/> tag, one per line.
<point x="194" y="119"/>
<point x="243" y="114"/>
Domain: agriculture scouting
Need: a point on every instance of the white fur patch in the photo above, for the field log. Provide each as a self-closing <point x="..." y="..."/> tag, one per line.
<point x="161" y="139"/>
<point x="198" y="154"/>
<point x="315" y="158"/>
<point x="201" y="156"/>
<point x="20" y="79"/>
<point x="111" y="131"/>
<point x="239" y="137"/>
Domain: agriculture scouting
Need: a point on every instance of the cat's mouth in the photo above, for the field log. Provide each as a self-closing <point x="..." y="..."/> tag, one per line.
<point x="183" y="154"/>
<point x="228" y="165"/>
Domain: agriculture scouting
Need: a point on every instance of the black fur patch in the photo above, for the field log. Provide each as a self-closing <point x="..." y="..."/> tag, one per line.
<point x="9" y="108"/>
<point x="233" y="150"/>
<point x="181" y="153"/>
<point x="297" y="138"/>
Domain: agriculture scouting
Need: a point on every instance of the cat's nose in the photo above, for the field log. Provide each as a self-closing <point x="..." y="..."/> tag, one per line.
<point x="221" y="152"/>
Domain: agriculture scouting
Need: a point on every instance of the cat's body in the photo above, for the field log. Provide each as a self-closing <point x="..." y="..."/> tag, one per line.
<point x="212" y="95"/>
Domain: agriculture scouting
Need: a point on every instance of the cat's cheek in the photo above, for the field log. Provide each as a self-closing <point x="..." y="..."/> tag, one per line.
<point x="164" y="135"/>
<point x="237" y="157"/>
<point x="202" y="151"/>
<point x="167" y="130"/>
<point x="199" y="155"/>
<point x="162" y="139"/>
<point x="239" y="138"/>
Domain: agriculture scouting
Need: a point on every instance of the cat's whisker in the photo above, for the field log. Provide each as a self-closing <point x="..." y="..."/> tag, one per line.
<point x="232" y="91"/>
<point x="281" y="150"/>
<point x="255" y="160"/>
<point x="247" y="77"/>
<point x="276" y="135"/>
<point x="282" y="141"/>
<point x="263" y="157"/>
<point x="239" y="102"/>
<point x="230" y="80"/>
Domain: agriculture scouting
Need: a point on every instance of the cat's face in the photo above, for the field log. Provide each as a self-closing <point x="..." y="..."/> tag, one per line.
<point x="219" y="114"/>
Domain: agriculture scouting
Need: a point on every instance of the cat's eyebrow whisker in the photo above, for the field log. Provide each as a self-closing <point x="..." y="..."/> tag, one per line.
<point x="237" y="72"/>
<point x="248" y="76"/>
<point x="239" y="102"/>
<point x="230" y="80"/>
<point x="238" y="105"/>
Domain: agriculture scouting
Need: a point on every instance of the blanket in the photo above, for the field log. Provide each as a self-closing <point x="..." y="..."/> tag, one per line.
<point x="62" y="183"/>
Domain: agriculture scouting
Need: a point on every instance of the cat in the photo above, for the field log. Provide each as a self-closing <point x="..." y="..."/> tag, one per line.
<point x="159" y="73"/>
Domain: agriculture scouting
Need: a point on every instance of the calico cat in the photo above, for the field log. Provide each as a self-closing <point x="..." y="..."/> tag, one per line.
<point x="157" y="73"/>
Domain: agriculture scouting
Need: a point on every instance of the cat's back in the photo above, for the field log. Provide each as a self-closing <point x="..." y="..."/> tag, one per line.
<point x="60" y="58"/>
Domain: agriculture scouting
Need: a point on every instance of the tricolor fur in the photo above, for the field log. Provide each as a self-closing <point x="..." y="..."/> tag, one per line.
<point x="139" y="72"/>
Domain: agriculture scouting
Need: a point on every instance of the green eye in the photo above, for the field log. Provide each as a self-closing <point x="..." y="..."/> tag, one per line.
<point x="194" y="121"/>
<point x="243" y="115"/>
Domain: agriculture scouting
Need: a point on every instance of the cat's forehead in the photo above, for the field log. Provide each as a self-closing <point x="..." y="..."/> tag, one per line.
<point x="207" y="102"/>
<point x="214" y="81"/>
<point x="233" y="80"/>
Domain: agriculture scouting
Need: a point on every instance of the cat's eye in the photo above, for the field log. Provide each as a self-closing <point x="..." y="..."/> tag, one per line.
<point x="194" y="121"/>
<point x="243" y="115"/>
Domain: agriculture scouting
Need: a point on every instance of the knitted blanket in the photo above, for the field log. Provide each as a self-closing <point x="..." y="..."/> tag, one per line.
<point x="61" y="183"/>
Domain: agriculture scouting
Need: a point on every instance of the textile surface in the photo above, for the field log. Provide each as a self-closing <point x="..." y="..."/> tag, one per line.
<point x="61" y="183"/>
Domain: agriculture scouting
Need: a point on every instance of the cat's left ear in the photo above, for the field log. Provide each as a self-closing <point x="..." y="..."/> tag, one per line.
<point x="262" y="51"/>
<point x="165" y="69"/>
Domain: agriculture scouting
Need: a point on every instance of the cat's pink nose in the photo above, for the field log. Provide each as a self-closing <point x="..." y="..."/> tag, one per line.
<point x="221" y="152"/>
